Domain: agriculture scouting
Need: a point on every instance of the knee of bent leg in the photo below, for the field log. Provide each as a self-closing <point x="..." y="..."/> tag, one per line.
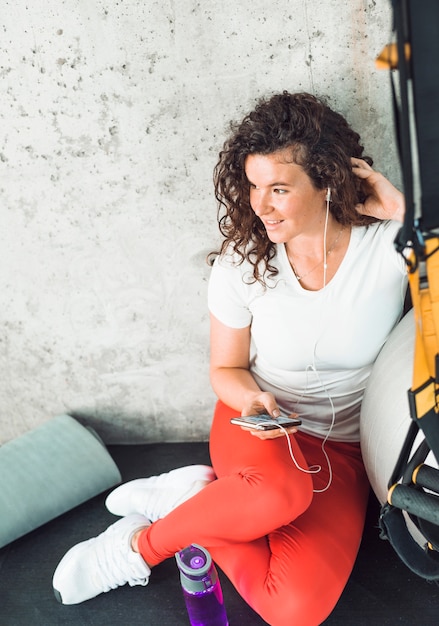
<point x="294" y="496"/>
<point x="284" y="494"/>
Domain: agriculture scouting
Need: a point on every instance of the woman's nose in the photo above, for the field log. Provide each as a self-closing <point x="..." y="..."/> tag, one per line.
<point x="260" y="203"/>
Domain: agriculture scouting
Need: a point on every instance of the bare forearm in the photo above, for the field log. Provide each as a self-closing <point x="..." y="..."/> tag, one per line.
<point x="229" y="371"/>
<point x="236" y="387"/>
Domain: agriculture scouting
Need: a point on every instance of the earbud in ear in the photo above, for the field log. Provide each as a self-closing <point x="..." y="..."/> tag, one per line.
<point x="328" y="194"/>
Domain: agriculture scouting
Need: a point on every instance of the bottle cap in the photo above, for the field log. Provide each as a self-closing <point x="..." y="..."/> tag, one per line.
<point x="196" y="569"/>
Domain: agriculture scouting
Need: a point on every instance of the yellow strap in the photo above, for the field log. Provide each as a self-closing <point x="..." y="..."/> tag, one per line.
<point x="426" y="310"/>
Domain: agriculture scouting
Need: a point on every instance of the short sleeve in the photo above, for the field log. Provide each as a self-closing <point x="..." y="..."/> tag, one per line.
<point x="389" y="230"/>
<point x="227" y="294"/>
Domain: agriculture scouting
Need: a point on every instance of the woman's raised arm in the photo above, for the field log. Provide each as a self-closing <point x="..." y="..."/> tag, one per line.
<point x="383" y="200"/>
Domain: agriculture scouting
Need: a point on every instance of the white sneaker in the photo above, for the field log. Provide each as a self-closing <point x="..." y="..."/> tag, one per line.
<point x="102" y="563"/>
<point x="156" y="496"/>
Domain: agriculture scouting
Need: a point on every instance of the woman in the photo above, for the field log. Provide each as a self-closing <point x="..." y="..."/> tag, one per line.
<point x="303" y="295"/>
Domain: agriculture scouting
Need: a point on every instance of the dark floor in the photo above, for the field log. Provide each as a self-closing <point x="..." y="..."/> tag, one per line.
<point x="381" y="591"/>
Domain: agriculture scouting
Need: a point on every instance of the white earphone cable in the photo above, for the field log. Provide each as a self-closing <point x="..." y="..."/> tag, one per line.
<point x="325" y="233"/>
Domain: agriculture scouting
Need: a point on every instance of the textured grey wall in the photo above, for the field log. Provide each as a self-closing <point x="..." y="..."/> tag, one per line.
<point x="112" y="115"/>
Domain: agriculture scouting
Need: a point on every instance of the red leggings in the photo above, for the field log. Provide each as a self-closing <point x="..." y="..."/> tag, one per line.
<point x="288" y="551"/>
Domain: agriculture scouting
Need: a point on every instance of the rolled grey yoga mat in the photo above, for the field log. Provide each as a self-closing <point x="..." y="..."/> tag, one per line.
<point x="49" y="471"/>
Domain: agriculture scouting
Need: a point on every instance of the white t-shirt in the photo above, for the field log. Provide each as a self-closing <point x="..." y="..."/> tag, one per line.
<point x="314" y="350"/>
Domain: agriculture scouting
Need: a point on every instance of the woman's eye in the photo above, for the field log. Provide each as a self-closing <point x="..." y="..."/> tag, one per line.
<point x="279" y="191"/>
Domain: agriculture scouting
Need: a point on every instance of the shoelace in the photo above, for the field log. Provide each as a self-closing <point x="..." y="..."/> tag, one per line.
<point x="116" y="564"/>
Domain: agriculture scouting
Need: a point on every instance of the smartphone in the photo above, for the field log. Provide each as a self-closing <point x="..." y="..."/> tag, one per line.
<point x="263" y="421"/>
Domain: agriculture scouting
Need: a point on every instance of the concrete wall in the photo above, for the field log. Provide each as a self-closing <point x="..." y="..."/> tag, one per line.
<point x="112" y="114"/>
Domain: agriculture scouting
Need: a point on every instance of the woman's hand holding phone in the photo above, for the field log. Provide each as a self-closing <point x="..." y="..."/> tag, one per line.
<point x="263" y="403"/>
<point x="265" y="426"/>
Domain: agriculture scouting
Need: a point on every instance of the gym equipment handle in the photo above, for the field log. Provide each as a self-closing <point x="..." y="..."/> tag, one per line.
<point x="427" y="477"/>
<point x="417" y="503"/>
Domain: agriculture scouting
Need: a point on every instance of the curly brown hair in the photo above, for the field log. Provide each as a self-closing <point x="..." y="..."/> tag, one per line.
<point x="321" y="142"/>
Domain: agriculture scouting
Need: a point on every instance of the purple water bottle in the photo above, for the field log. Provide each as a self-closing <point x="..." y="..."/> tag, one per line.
<point x="201" y="587"/>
